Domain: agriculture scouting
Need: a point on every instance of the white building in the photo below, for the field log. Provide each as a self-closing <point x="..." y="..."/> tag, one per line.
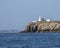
<point x="42" y="19"/>
<point x="48" y="20"/>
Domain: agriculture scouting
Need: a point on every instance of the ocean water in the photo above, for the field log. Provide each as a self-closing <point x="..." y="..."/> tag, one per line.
<point x="29" y="40"/>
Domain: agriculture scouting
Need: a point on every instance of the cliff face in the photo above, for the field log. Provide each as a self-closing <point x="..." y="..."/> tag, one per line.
<point x="43" y="26"/>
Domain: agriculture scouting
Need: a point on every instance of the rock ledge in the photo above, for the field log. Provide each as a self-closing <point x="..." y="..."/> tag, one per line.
<point x="43" y="26"/>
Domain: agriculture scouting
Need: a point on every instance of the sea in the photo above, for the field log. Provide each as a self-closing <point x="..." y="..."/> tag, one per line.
<point x="30" y="40"/>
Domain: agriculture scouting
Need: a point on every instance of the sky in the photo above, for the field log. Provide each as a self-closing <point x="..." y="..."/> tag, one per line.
<point x="15" y="14"/>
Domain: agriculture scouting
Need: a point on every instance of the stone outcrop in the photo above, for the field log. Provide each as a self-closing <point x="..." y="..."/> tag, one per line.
<point x="43" y="26"/>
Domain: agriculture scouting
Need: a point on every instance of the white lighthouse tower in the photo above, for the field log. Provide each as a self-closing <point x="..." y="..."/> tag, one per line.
<point x="39" y="18"/>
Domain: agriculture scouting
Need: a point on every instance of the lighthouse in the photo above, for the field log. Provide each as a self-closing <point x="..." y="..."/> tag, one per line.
<point x="39" y="18"/>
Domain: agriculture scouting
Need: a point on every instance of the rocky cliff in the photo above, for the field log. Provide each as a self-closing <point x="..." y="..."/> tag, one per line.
<point x="43" y="26"/>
